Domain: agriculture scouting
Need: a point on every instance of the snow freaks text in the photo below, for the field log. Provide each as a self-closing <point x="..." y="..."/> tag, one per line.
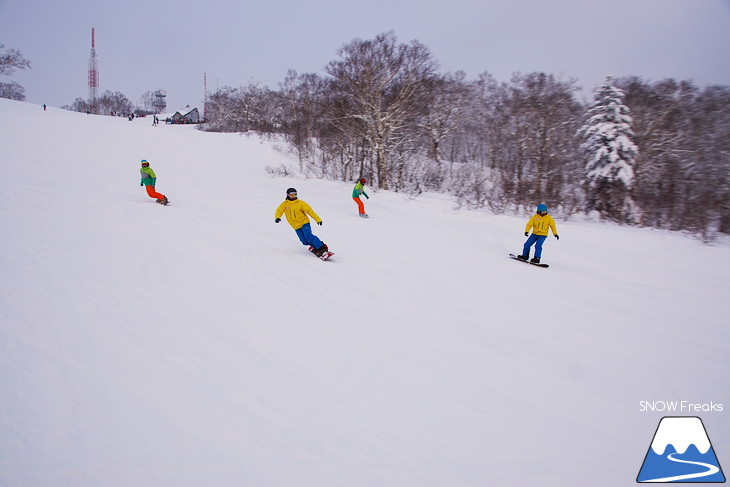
<point x="683" y="407"/>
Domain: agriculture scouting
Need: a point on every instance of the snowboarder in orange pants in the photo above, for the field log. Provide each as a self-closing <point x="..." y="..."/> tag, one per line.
<point x="358" y="190"/>
<point x="148" y="180"/>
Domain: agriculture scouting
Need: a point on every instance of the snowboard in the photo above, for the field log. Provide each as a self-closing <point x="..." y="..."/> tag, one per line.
<point x="528" y="262"/>
<point x="164" y="202"/>
<point x="324" y="256"/>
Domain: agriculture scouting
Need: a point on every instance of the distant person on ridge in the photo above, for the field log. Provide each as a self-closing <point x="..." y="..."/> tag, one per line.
<point x="539" y="223"/>
<point x="148" y="180"/>
<point x="296" y="212"/>
<point x="356" y="192"/>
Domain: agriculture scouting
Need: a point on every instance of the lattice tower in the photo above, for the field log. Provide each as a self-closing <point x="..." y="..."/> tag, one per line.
<point x="205" y="97"/>
<point x="93" y="76"/>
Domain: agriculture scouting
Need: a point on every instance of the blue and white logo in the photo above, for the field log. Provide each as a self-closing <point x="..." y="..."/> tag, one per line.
<point x="681" y="452"/>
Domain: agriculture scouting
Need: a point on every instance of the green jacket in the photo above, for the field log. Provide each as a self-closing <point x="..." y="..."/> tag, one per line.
<point x="359" y="190"/>
<point x="148" y="176"/>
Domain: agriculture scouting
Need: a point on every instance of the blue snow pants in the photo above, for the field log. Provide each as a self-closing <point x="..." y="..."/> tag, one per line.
<point x="538" y="241"/>
<point x="307" y="237"/>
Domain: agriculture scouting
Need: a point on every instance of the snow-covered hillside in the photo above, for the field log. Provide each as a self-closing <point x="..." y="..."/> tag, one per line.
<point x="200" y="344"/>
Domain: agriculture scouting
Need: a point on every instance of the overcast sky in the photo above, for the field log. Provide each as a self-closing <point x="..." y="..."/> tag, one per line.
<point x="168" y="44"/>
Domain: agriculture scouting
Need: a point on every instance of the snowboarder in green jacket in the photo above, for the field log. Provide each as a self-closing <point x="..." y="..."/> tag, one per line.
<point x="356" y="192"/>
<point x="149" y="178"/>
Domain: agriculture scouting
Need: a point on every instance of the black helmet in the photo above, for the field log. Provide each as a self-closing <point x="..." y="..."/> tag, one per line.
<point x="291" y="190"/>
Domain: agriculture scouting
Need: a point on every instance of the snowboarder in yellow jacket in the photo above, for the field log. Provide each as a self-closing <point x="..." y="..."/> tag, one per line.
<point x="296" y="211"/>
<point x="539" y="224"/>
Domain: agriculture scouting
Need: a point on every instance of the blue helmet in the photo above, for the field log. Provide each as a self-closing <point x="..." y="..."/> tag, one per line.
<point x="542" y="207"/>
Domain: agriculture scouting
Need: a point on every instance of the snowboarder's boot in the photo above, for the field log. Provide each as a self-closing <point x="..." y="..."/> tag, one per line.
<point x="523" y="257"/>
<point x="321" y="251"/>
<point x="535" y="260"/>
<point x="364" y="215"/>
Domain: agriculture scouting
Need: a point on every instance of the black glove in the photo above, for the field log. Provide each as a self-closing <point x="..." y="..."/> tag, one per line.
<point x="141" y="184"/>
<point x="367" y="197"/>
<point x="319" y="223"/>
<point x="557" y="236"/>
<point x="277" y="220"/>
<point x="527" y="234"/>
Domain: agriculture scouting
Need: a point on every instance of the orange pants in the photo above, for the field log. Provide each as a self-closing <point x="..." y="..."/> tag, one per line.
<point x="154" y="194"/>
<point x="360" y="205"/>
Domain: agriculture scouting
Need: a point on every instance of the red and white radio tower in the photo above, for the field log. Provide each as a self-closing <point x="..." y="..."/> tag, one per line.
<point x="205" y="97"/>
<point x="93" y="76"/>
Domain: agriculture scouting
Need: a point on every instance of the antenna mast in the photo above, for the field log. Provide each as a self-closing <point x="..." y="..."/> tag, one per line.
<point x="205" y="97"/>
<point x="93" y="76"/>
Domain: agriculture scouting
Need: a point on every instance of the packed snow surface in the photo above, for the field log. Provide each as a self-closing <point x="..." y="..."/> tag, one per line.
<point x="200" y="344"/>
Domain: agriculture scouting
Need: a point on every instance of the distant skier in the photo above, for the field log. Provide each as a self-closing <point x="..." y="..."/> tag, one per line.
<point x="356" y="192"/>
<point x="148" y="180"/>
<point x="539" y="223"/>
<point x="296" y="212"/>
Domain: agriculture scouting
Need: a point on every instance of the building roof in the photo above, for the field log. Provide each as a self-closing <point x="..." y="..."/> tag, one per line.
<point x="185" y="111"/>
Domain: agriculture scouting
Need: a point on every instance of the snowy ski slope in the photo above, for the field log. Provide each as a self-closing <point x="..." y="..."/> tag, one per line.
<point x="200" y="343"/>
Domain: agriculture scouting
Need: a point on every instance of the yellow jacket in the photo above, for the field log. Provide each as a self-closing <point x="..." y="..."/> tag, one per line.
<point x="296" y="213"/>
<point x="540" y="225"/>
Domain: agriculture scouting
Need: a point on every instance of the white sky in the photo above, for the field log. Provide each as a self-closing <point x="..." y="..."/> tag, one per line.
<point x="152" y="44"/>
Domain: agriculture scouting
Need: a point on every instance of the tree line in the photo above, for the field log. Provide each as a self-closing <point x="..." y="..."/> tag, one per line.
<point x="642" y="153"/>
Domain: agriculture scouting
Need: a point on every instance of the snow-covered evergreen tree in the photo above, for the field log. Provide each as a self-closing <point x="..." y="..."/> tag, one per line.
<point x="610" y="153"/>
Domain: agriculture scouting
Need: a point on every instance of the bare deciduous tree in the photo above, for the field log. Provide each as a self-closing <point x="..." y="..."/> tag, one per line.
<point x="446" y="97"/>
<point x="12" y="91"/>
<point x="10" y="61"/>
<point x="382" y="78"/>
<point x="114" y="102"/>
